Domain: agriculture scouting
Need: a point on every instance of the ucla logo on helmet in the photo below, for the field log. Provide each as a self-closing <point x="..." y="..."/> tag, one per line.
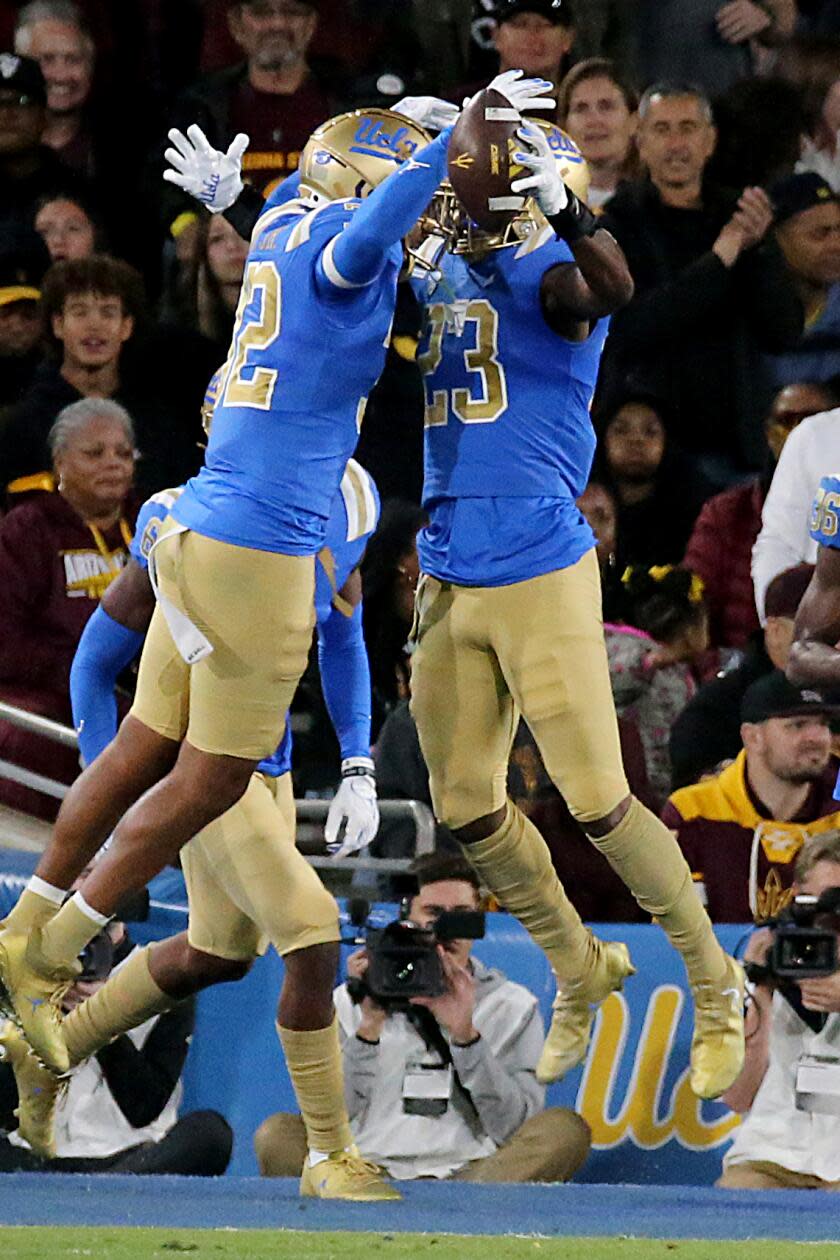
<point x="322" y="157"/>
<point x="373" y="140"/>
<point x="560" y="143"/>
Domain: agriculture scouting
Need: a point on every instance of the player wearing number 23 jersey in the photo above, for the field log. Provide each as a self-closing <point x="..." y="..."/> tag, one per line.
<point x="508" y="609"/>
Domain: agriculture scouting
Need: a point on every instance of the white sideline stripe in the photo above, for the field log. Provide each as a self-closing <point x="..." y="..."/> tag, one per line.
<point x="331" y="271"/>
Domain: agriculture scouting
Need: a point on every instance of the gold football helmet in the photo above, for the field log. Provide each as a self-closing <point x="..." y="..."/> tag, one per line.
<point x="349" y="155"/>
<point x="446" y="217"/>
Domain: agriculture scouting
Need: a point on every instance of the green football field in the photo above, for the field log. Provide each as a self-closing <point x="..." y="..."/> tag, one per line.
<point x="205" y="1244"/>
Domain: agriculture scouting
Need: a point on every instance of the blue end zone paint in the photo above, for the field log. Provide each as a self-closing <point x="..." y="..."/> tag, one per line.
<point x="428" y="1207"/>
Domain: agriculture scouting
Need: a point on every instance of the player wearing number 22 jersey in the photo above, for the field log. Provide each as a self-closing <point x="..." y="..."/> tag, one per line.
<point x="508" y="618"/>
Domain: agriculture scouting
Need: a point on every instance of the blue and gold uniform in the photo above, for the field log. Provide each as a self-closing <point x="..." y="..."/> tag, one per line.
<point x="288" y="415"/>
<point x="509" y="441"/>
<point x="247" y="882"/>
<point x="235" y="564"/>
<point x="508" y="608"/>
<point x="508" y="623"/>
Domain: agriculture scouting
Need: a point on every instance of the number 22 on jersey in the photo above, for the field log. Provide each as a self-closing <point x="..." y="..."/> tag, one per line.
<point x="478" y="401"/>
<point x="257" y="325"/>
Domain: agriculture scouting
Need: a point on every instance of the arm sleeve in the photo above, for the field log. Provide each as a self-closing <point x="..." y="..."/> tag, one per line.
<point x="104" y="650"/>
<point x="361" y="1063"/>
<point x="783" y="540"/>
<point x="142" y="1081"/>
<point x="356" y="256"/>
<point x="345" y="679"/>
<point x="503" y="1087"/>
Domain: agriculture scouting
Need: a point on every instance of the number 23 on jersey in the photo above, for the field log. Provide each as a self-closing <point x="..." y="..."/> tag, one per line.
<point x="483" y="396"/>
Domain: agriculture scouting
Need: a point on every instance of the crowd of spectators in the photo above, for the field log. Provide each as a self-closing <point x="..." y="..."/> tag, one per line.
<point x="712" y="136"/>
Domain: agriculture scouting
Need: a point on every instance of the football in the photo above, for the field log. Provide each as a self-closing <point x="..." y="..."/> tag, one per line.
<point x="481" y="163"/>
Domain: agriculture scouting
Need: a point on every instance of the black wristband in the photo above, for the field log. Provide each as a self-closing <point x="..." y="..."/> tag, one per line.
<point x="245" y="211"/>
<point x="365" y="1041"/>
<point x="574" y="221"/>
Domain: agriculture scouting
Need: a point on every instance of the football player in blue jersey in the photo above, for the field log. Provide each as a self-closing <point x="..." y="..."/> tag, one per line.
<point x="234" y="565"/>
<point x="247" y="883"/>
<point x="508" y="614"/>
<point x="814" y="659"/>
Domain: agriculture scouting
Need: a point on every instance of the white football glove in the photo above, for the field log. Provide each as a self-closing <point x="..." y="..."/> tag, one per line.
<point x="212" y="177"/>
<point x="428" y="111"/>
<point x="544" y="183"/>
<point x="353" y="819"/>
<point x="523" y="94"/>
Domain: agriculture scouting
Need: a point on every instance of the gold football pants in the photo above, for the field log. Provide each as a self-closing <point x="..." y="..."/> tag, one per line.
<point x="249" y="885"/>
<point x="484" y="656"/>
<point x="257" y="610"/>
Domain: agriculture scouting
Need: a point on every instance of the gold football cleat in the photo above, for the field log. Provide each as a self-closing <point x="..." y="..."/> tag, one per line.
<point x="38" y="1092"/>
<point x="717" y="1048"/>
<point x="571" y="1024"/>
<point x="32" y="992"/>
<point x="346" y="1175"/>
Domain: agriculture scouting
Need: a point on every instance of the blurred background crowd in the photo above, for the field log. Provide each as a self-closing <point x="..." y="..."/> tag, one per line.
<point x="712" y="134"/>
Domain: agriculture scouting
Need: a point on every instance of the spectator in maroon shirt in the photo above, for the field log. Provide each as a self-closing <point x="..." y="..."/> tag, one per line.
<point x="720" y="546"/>
<point x="740" y="830"/>
<point x="277" y="96"/>
<point x="59" y="551"/>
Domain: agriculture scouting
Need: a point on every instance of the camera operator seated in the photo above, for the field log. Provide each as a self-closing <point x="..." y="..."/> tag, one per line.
<point x="445" y="1086"/>
<point x="790" y="1084"/>
<point x="119" y="1112"/>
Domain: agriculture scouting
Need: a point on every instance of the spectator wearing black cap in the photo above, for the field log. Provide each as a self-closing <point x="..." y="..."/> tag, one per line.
<point x="23" y="261"/>
<point x="721" y="543"/>
<point x="807" y="219"/>
<point x="712" y="291"/>
<point x="531" y="35"/>
<point x="28" y="168"/>
<point x="707" y="732"/>
<point x="741" y="830"/>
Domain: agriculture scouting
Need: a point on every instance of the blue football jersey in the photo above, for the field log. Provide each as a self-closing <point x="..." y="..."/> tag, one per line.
<point x="351" y="523"/>
<point x="296" y="380"/>
<point x="825" y="512"/>
<point x="509" y="440"/>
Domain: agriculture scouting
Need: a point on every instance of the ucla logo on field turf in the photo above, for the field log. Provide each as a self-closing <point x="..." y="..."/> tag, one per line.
<point x="643" y="1117"/>
<point x="373" y="140"/>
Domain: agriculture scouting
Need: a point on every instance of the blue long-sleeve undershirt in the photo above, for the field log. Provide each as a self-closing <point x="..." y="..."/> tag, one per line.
<point x="345" y="680"/>
<point x="104" y="650"/>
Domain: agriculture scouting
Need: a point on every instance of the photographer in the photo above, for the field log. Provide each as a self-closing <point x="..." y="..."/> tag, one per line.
<point x="446" y="1086"/>
<point x="790" y="1084"/>
<point x="119" y="1110"/>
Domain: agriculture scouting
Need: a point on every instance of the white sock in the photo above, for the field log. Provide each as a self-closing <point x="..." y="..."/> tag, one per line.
<point x="49" y="892"/>
<point x="317" y="1157"/>
<point x="101" y="920"/>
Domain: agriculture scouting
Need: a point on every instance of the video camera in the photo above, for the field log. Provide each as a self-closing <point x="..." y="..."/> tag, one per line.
<point x="403" y="960"/>
<point x="801" y="948"/>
